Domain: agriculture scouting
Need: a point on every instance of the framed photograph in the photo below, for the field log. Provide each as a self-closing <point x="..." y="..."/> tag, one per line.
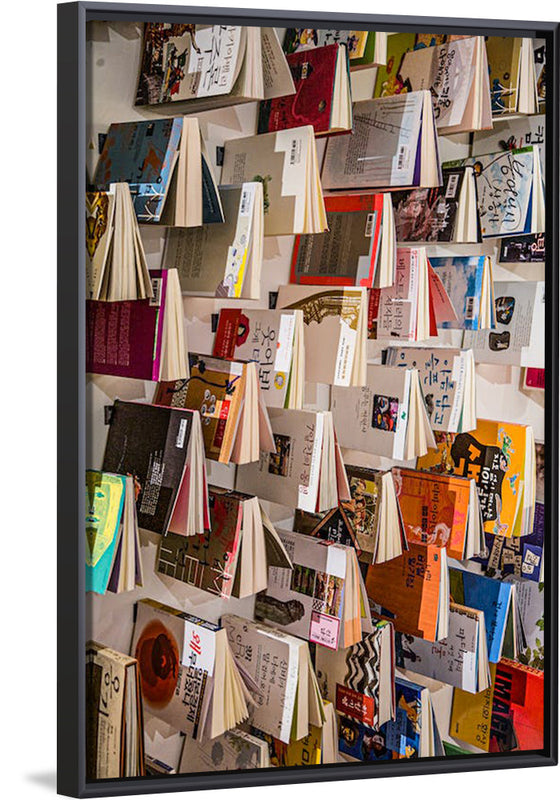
<point x="308" y="397"/>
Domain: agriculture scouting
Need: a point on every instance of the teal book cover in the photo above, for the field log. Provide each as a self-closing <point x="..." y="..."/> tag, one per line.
<point x="104" y="506"/>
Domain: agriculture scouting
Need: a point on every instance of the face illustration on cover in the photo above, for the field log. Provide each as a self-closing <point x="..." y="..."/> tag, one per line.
<point x="158" y="658"/>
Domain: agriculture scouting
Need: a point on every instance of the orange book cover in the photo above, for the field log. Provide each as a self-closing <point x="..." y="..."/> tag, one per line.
<point x="434" y="508"/>
<point x="494" y="455"/>
<point x="407" y="590"/>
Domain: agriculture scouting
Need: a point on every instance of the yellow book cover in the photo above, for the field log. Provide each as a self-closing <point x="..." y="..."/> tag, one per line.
<point x="387" y="81"/>
<point x="503" y="62"/>
<point x="494" y="455"/>
<point x="471" y="715"/>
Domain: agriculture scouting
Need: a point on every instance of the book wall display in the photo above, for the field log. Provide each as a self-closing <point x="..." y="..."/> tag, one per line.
<point x="322" y="521"/>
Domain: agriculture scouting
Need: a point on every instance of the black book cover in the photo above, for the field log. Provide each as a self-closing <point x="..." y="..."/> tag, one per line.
<point x="150" y="443"/>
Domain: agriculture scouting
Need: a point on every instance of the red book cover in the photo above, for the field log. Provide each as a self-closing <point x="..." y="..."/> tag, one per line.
<point x="124" y="338"/>
<point x="534" y="378"/>
<point x="517" y="708"/>
<point x="314" y="73"/>
<point x="346" y="254"/>
<point x="227" y="333"/>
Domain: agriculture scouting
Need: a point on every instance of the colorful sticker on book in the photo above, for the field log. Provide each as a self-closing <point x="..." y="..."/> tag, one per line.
<point x="323" y="630"/>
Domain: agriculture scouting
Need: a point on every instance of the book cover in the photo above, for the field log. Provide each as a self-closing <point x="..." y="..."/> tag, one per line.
<point x="157" y="459"/>
<point x="521" y="556"/>
<point x="490" y="596"/>
<point x="207" y="561"/>
<point x="387" y="126"/>
<point x="346" y="254"/>
<point x="104" y="506"/>
<point x="518" y="337"/>
<point x="527" y="249"/>
<point x="142" y="154"/>
<point x="264" y="336"/>
<point x="363" y="510"/>
<point x="434" y="508"/>
<point x="428" y="215"/>
<point x="360" y="44"/>
<point x="406" y="590"/>
<point x="124" y="338"/>
<point x="388" y="81"/>
<point x="463" y="280"/>
<point x="494" y="455"/>
<point x="308" y="600"/>
<point x="334" y="526"/>
<point x="332" y="325"/>
<point x="313" y="72"/>
<point x="183" y="62"/>
<point x="504" y="55"/>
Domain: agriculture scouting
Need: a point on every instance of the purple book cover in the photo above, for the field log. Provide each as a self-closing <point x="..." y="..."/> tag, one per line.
<point x="125" y="338"/>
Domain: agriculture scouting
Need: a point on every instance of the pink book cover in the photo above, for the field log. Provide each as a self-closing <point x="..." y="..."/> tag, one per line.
<point x="125" y="338"/>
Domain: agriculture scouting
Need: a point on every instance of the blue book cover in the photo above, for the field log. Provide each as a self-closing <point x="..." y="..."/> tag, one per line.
<point x="142" y="154"/>
<point x="516" y="555"/>
<point x="105" y="494"/>
<point x="487" y="595"/>
<point x="462" y="277"/>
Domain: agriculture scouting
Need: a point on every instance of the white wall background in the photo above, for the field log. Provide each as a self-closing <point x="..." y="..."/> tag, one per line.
<point x="29" y="403"/>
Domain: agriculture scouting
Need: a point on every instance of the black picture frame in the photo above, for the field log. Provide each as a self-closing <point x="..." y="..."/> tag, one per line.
<point x="72" y="18"/>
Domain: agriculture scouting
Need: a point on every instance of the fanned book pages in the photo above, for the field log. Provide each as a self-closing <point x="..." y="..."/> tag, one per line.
<point x="274" y="340"/>
<point x="386" y="417"/>
<point x="233" y="750"/>
<point x="469" y="283"/>
<point x="115" y="261"/>
<point x="510" y="192"/>
<point x="323" y="96"/>
<point x="358" y="249"/>
<point x="513" y="83"/>
<point x="143" y="339"/>
<point x="448" y="381"/>
<point x="287" y="698"/>
<point x="320" y="598"/>
<point x="113" y="559"/>
<point x="306" y="471"/>
<point x="507" y="716"/>
<point x="232" y="558"/>
<point x="188" y="675"/>
<point x="456" y="74"/>
<point x="359" y="680"/>
<point x="417" y="302"/>
<point x="413" y="733"/>
<point x="166" y="166"/>
<point x="394" y="145"/>
<point x="285" y="162"/>
<point x="440" y="509"/>
<point x="442" y="214"/>
<point x="222" y="260"/>
<point x="460" y="660"/>
<point x="167" y="463"/>
<point x="365" y="48"/>
<point x="373" y="515"/>
<point x="497" y="599"/>
<point x="519" y="335"/>
<point x="335" y="331"/>
<point x="210" y="66"/>
<point x="500" y="457"/>
<point x="226" y="393"/>
<point x="114" y="719"/>
<point x="412" y="591"/>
